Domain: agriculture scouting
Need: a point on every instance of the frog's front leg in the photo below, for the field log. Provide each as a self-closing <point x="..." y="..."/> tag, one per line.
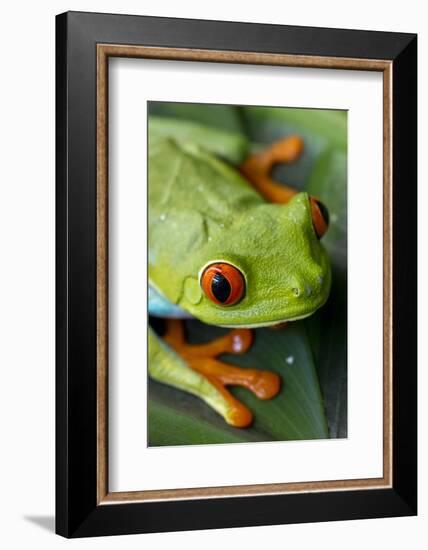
<point x="257" y="169"/>
<point x="194" y="368"/>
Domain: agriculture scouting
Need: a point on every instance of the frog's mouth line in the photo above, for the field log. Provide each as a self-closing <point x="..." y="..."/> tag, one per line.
<point x="275" y="324"/>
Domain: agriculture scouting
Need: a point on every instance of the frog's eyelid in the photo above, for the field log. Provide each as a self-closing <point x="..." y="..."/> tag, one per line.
<point x="219" y="261"/>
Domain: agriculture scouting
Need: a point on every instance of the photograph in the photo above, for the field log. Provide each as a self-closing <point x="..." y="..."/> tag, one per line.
<point x="247" y="273"/>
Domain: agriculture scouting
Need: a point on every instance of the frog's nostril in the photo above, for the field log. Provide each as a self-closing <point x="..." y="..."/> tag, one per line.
<point x="320" y="279"/>
<point x="296" y="291"/>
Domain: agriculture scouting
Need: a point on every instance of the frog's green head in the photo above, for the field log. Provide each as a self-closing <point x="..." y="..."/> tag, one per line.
<point x="264" y="267"/>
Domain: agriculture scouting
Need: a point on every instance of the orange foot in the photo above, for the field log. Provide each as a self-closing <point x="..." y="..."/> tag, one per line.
<point x="201" y="358"/>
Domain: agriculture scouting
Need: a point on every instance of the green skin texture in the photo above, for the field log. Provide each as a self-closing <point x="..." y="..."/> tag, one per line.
<point x="201" y="211"/>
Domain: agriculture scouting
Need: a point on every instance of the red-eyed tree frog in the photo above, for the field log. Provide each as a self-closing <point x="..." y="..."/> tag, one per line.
<point x="230" y="247"/>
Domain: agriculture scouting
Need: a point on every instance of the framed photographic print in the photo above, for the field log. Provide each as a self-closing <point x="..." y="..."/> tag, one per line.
<point x="236" y="274"/>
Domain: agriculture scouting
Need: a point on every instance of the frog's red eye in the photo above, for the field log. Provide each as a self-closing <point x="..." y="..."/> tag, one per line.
<point x="320" y="217"/>
<point x="223" y="284"/>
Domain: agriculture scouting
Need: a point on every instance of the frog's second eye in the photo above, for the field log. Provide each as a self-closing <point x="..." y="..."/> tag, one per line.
<point x="320" y="217"/>
<point x="223" y="284"/>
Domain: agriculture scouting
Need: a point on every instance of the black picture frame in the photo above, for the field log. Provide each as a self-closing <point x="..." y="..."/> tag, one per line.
<point x="78" y="513"/>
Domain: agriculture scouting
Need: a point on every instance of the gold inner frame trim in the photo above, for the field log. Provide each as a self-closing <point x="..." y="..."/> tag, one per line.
<point x="104" y="51"/>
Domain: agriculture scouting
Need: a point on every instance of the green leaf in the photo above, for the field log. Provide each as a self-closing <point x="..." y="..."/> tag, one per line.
<point x="327" y="331"/>
<point x="328" y="181"/>
<point x="224" y="117"/>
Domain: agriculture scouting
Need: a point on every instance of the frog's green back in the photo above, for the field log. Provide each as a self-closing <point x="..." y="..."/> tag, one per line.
<point x="193" y="196"/>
